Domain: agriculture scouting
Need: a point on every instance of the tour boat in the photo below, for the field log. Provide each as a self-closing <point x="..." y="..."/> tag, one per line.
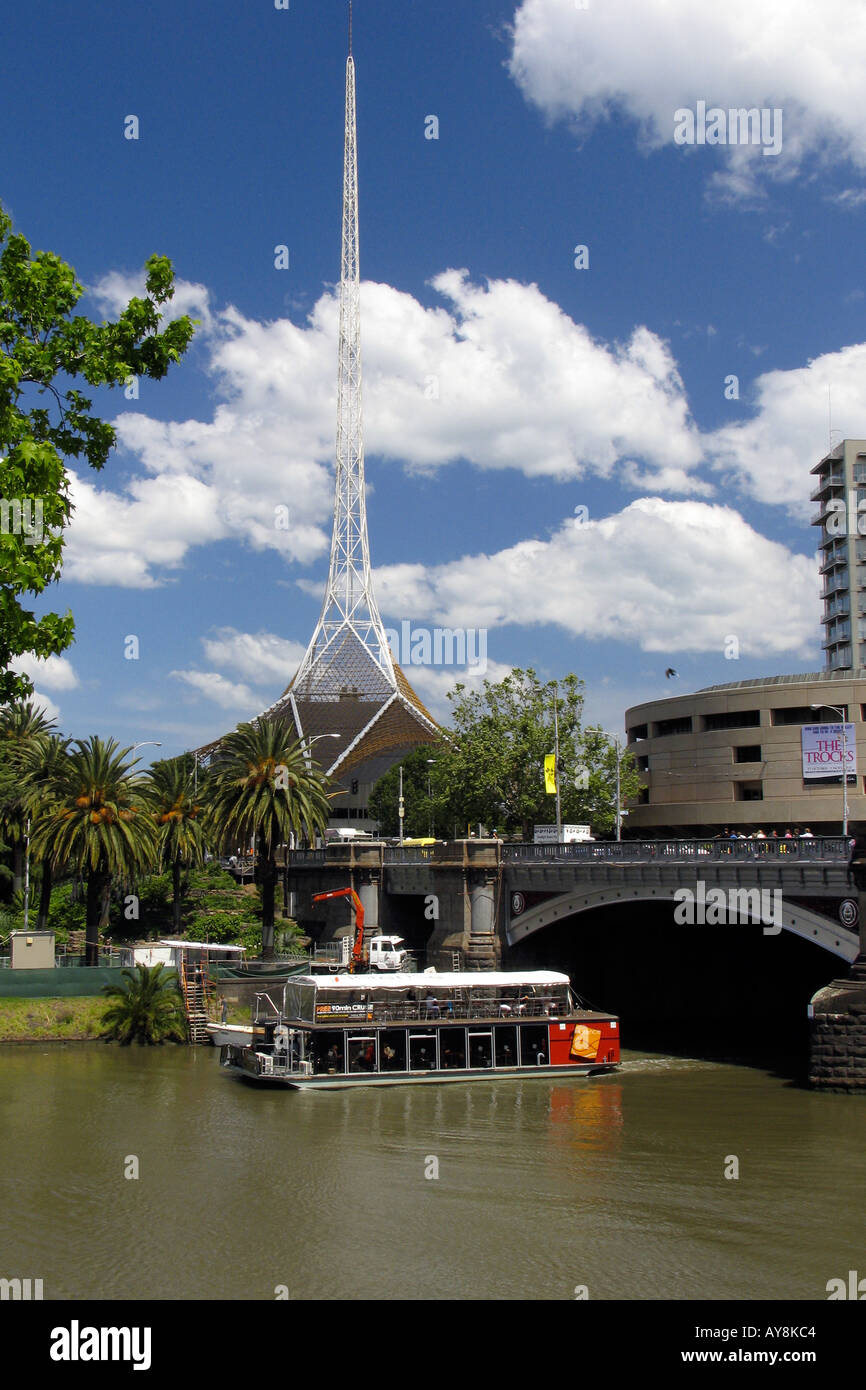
<point x="344" y="1030"/>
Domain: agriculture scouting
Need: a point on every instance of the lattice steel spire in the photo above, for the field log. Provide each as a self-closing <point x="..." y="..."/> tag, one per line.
<point x="348" y="652"/>
<point x="348" y="687"/>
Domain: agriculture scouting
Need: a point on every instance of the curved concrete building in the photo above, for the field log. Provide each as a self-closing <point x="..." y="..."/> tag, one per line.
<point x="732" y="755"/>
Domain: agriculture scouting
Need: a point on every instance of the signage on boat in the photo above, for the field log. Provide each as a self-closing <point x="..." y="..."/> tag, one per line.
<point x="585" y="1041"/>
<point x="340" y="1009"/>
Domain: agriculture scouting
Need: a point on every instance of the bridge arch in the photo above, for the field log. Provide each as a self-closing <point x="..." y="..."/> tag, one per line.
<point x="799" y="920"/>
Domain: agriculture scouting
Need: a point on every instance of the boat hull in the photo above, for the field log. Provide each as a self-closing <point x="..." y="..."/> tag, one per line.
<point x="348" y="1083"/>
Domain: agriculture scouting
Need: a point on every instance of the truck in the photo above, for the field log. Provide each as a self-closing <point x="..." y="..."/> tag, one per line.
<point x="570" y="834"/>
<point x="380" y="952"/>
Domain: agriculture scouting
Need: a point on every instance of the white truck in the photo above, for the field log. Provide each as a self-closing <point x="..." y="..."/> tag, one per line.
<point x="380" y="952"/>
<point x="570" y="834"/>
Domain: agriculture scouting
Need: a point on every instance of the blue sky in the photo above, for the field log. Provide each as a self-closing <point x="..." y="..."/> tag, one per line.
<point x="505" y="388"/>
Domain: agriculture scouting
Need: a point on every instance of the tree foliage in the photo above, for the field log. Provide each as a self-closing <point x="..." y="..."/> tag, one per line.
<point x="490" y="769"/>
<point x="45" y="350"/>
<point x="146" y="1007"/>
<point x="262" y="786"/>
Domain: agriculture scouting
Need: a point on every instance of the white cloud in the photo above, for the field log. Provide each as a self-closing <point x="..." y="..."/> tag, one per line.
<point x="771" y="453"/>
<point x="54" y="672"/>
<point x="225" y="693"/>
<point x="46" y="704"/>
<point x="501" y="378"/>
<point x="113" y="291"/>
<point x="648" y="58"/>
<point x="433" y="683"/>
<point x="261" y="657"/>
<point x="664" y="576"/>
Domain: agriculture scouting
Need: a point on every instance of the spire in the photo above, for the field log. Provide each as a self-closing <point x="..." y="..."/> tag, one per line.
<point x="349" y="651"/>
<point x="348" y="687"/>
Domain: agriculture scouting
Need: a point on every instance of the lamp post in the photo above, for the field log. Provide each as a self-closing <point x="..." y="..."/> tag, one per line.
<point x="400" y="807"/>
<point x="148" y="741"/>
<point x="431" y="762"/>
<point x="843" y="716"/>
<point x="555" y="685"/>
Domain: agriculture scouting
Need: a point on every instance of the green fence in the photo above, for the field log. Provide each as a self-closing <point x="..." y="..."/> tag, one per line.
<point x="52" y="984"/>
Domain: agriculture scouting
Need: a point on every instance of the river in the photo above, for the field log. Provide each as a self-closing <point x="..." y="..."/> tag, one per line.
<point x="615" y="1184"/>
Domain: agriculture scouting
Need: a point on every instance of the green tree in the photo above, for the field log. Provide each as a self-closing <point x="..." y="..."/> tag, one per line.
<point x="491" y="769"/>
<point x="45" y="350"/>
<point x="179" y="814"/>
<point x="422" y="808"/>
<point x="45" y="763"/>
<point x="146" y="1007"/>
<point x="100" y="825"/>
<point x="263" y="786"/>
<point x="24" y="728"/>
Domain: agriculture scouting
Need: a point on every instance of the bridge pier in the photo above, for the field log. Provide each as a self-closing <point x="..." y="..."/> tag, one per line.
<point x="837" y="1014"/>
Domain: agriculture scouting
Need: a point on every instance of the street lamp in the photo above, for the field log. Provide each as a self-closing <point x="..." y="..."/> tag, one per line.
<point x="147" y="742"/>
<point x="555" y="685"/>
<point x="431" y="762"/>
<point x="843" y="717"/>
<point x="309" y="743"/>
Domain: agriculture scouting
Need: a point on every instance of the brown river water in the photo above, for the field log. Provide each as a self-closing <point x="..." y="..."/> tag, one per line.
<point x="505" y="1189"/>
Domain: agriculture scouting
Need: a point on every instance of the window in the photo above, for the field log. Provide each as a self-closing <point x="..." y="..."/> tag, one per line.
<point x="748" y="791"/>
<point x="639" y="731"/>
<point x="732" y="719"/>
<point x="665" y="727"/>
<point x="804" y="714"/>
<point x="748" y="753"/>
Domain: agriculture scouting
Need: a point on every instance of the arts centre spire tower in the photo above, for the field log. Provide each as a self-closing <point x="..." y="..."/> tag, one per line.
<point x="348" y="685"/>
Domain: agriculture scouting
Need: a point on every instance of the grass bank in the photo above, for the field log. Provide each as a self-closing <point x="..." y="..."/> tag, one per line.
<point x="46" y="1020"/>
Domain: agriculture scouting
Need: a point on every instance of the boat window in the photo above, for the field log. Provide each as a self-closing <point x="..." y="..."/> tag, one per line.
<point x="422" y="1051"/>
<point x="480" y="1049"/>
<point x="361" y="1052"/>
<point x="392" y="1049"/>
<point x="452" y="1048"/>
<point x="533" y="1045"/>
<point x="505" y="1045"/>
<point x="327" y="1052"/>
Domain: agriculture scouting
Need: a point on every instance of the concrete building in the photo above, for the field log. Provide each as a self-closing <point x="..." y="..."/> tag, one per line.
<point x="737" y="754"/>
<point x="841" y="514"/>
<point x="733" y="755"/>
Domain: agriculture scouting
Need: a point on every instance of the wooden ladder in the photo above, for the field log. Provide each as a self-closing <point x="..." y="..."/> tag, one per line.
<point x="196" y="984"/>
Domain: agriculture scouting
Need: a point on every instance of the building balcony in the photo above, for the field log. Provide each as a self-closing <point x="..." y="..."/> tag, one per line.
<point x="830" y="480"/>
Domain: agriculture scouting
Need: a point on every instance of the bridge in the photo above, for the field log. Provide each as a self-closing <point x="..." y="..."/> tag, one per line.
<point x="472" y="904"/>
<point x="482" y="897"/>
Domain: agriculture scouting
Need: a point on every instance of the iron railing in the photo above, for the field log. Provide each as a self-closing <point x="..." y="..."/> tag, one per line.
<point x="833" y="849"/>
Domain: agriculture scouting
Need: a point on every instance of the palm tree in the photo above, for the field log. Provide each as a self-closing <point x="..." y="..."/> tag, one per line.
<point x="179" y="815"/>
<point x="99" y="826"/>
<point x="146" y="1007"/>
<point x="264" y="786"/>
<point x="45" y="764"/>
<point x="23" y="730"/>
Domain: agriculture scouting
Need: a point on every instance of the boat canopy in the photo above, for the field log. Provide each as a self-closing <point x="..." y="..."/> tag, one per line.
<point x="478" y="979"/>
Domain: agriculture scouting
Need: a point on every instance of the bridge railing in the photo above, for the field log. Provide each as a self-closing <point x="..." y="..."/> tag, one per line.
<point x="822" y="848"/>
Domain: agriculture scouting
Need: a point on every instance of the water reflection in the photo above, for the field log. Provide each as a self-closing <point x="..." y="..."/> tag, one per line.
<point x="616" y="1182"/>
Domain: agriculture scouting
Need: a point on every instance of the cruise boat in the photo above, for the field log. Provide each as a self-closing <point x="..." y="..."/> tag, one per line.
<point x="338" y="1031"/>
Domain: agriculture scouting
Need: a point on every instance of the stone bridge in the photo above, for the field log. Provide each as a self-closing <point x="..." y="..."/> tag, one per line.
<point x="466" y="904"/>
<point x="481" y="897"/>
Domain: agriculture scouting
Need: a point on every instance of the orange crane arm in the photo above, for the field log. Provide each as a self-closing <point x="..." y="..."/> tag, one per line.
<point x="358" y="906"/>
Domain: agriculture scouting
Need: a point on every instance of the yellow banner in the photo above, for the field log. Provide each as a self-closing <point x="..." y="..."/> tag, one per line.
<point x="550" y="773"/>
